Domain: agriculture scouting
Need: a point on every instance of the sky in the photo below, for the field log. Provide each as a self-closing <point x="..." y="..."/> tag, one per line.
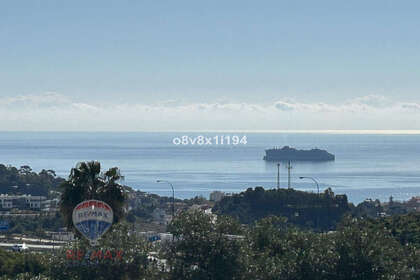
<point x="209" y="65"/>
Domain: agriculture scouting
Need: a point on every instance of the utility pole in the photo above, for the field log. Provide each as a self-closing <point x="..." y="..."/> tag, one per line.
<point x="317" y="187"/>
<point x="289" y="167"/>
<point x="173" y="195"/>
<point x="278" y="175"/>
<point x="316" y="182"/>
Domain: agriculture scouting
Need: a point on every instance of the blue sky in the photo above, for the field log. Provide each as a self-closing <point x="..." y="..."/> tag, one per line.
<point x="187" y="53"/>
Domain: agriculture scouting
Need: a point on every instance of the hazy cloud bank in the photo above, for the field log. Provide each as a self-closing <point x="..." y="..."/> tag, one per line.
<point x="52" y="111"/>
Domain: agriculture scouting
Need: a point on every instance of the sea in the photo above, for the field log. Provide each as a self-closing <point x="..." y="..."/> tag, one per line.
<point x="367" y="166"/>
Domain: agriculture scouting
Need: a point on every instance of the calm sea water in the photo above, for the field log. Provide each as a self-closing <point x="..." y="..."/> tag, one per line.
<point x="366" y="166"/>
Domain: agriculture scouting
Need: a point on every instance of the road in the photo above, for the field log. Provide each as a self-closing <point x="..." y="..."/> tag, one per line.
<point x="31" y="246"/>
<point x="25" y="239"/>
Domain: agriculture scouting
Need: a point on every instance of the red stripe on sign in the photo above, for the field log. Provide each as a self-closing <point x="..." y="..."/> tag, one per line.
<point x="90" y="203"/>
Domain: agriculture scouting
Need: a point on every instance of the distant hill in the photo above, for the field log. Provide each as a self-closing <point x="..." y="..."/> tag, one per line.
<point x="26" y="181"/>
<point x="304" y="209"/>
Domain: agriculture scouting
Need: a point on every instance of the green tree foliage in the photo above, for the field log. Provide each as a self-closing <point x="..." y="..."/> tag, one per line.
<point x="370" y="253"/>
<point x="87" y="182"/>
<point x="209" y="248"/>
<point x="272" y="249"/>
<point x="368" y="208"/>
<point x="204" y="249"/>
<point x="26" y="181"/>
<point x="13" y="264"/>
<point x="134" y="263"/>
<point x="281" y="252"/>
<point x="307" y="210"/>
<point x="25" y="225"/>
<point x="355" y="251"/>
<point x="404" y="228"/>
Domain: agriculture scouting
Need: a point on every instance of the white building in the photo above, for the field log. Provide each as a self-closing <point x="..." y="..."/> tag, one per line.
<point x="50" y="205"/>
<point x="25" y="201"/>
<point x="6" y="203"/>
<point x="216" y="196"/>
<point x="62" y="236"/>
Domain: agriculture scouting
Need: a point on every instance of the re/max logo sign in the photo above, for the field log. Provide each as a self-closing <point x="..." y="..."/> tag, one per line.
<point x="94" y="255"/>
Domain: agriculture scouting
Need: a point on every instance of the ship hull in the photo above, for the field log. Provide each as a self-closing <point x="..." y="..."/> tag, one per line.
<point x="296" y="159"/>
<point x="290" y="154"/>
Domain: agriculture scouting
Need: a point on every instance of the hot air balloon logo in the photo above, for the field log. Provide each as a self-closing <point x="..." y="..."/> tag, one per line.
<point x="92" y="218"/>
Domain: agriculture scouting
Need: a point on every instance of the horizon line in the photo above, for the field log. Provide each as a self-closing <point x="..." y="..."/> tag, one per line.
<point x="310" y="131"/>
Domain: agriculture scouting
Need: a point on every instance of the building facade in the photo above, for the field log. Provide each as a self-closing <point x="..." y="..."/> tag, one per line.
<point x="22" y="202"/>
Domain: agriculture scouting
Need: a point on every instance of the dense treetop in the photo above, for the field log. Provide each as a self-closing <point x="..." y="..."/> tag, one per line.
<point x="308" y="210"/>
<point x="26" y="181"/>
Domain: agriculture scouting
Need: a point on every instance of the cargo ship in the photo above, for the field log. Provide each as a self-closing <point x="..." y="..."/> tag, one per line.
<point x="290" y="154"/>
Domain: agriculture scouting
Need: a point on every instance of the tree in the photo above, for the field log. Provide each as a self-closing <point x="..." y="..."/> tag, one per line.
<point x="132" y="263"/>
<point x="368" y="253"/>
<point x="203" y="248"/>
<point x="303" y="209"/>
<point x="25" y="181"/>
<point x="87" y="182"/>
<point x="13" y="264"/>
<point x="279" y="251"/>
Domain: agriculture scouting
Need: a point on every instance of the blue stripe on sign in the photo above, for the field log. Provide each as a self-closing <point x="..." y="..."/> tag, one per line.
<point x="93" y="229"/>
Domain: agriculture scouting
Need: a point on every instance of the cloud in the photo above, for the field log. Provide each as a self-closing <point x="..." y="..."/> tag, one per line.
<point x="410" y="106"/>
<point x="373" y="100"/>
<point x="46" y="100"/>
<point x="52" y="111"/>
<point x="284" y="106"/>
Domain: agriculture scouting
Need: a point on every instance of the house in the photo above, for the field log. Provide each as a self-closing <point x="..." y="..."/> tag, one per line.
<point x="50" y="205"/>
<point x="22" y="202"/>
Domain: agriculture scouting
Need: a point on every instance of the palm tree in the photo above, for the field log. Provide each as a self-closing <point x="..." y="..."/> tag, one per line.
<point x="87" y="182"/>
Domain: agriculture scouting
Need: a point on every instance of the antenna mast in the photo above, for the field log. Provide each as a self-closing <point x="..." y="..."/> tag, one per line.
<point x="289" y="167"/>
